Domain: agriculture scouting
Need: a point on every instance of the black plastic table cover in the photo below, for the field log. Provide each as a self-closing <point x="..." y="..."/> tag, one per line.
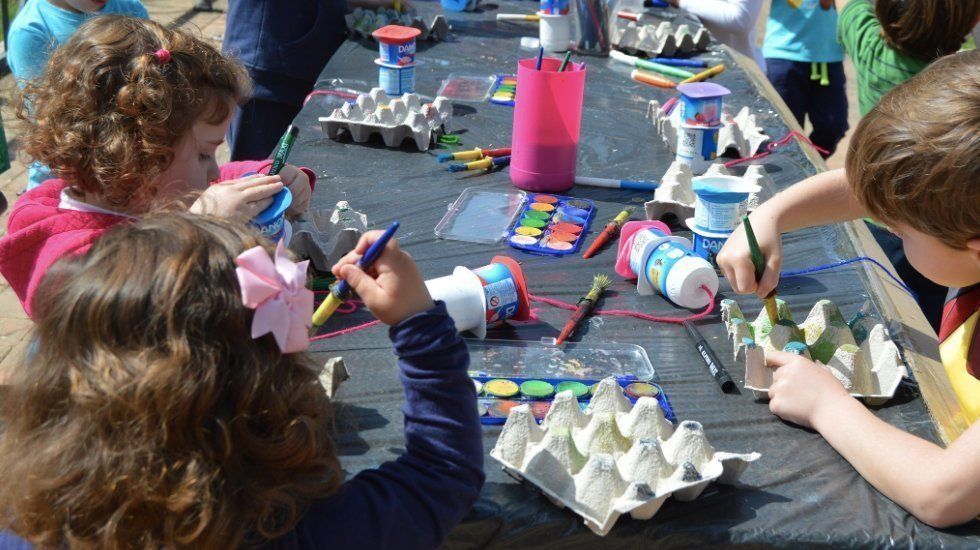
<point x="800" y="493"/>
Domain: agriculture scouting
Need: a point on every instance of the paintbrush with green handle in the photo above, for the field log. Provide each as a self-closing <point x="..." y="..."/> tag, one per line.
<point x="759" y="261"/>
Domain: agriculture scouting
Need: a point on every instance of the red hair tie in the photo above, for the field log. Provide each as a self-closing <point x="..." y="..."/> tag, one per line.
<point x="162" y="55"/>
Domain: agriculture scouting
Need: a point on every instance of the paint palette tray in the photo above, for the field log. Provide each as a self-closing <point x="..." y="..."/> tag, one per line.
<point x="504" y="90"/>
<point x="394" y="119"/>
<point x="858" y="353"/>
<point x="497" y="396"/>
<point x="536" y="223"/>
<point x="466" y="88"/>
<point x="613" y="458"/>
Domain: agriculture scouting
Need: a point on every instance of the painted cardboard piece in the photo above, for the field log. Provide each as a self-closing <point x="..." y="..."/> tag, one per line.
<point x="663" y="39"/>
<point x="675" y="195"/>
<point x="326" y="236"/>
<point x="740" y="134"/>
<point x="613" y="458"/>
<point x="394" y="119"/>
<point x="866" y="361"/>
<point x="362" y="23"/>
<point x="334" y="374"/>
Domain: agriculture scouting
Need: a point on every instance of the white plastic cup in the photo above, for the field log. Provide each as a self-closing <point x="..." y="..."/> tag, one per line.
<point x="720" y="202"/>
<point x="464" y="297"/>
<point x="554" y="32"/>
<point x="697" y="146"/>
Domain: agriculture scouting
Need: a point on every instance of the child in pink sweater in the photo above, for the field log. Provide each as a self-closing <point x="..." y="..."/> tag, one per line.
<point x="128" y="115"/>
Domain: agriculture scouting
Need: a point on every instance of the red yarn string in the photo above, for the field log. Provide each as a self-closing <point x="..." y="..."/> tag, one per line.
<point x="351" y="307"/>
<point x="771" y="148"/>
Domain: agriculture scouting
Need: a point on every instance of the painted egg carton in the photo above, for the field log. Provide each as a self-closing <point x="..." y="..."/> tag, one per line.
<point x="610" y="459"/>
<point x="394" y="119"/>
<point x="741" y="133"/>
<point x="676" y="196"/>
<point x="326" y="236"/>
<point x="362" y="22"/>
<point x="865" y="360"/>
<point x="662" y="39"/>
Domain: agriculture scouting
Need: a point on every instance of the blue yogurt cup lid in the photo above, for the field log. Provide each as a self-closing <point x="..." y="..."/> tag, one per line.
<point x="280" y="203"/>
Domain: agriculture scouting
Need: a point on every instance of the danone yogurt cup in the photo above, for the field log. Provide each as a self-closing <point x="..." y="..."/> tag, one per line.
<point x="396" y="44"/>
<point x="272" y="221"/>
<point x="707" y="244"/>
<point x="697" y="146"/>
<point x="700" y="103"/>
<point x="720" y="202"/>
<point x="394" y="79"/>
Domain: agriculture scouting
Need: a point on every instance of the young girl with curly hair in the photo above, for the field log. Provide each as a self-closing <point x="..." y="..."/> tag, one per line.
<point x="128" y="116"/>
<point x="171" y="404"/>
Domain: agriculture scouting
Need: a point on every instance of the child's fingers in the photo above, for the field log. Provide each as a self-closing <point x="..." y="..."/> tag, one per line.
<point x="776" y="359"/>
<point x="261" y="191"/>
<point x="362" y="283"/>
<point x="370" y="237"/>
<point x="350" y="258"/>
<point x="744" y="280"/>
<point x="770" y="278"/>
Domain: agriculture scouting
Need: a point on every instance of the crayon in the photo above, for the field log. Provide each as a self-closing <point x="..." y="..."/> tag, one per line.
<point x="652" y="80"/>
<point x="708" y="73"/>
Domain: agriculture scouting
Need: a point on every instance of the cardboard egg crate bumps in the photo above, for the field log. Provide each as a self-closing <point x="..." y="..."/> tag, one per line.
<point x="660" y="40"/>
<point x="864" y="360"/>
<point x="362" y="22"/>
<point x="612" y="459"/>
<point x="394" y="119"/>
<point x="740" y="134"/>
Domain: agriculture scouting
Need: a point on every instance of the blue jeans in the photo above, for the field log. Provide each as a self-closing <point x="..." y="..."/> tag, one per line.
<point x="826" y="106"/>
<point x="257" y="126"/>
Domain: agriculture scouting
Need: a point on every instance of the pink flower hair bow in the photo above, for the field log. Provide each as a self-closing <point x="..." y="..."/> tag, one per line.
<point x="276" y="290"/>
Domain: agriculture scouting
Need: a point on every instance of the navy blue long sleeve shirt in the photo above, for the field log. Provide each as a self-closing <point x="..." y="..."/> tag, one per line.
<point x="416" y="500"/>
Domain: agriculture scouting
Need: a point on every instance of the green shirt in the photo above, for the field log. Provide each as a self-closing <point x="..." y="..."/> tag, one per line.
<point x="879" y="67"/>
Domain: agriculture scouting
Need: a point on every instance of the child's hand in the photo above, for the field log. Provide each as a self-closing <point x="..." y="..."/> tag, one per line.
<point x="735" y="259"/>
<point x="393" y="288"/>
<point x="243" y="198"/>
<point x="299" y="185"/>
<point x="801" y="388"/>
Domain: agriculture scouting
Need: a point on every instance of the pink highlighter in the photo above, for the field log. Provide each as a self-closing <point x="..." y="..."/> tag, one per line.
<point x="547" y="119"/>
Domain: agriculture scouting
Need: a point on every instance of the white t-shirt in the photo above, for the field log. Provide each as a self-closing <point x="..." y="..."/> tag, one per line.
<point x="731" y="22"/>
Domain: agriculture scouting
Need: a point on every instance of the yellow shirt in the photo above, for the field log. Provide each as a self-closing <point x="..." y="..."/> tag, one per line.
<point x="959" y="347"/>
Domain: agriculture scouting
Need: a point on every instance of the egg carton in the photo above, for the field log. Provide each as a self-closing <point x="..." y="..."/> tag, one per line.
<point x="325" y="236"/>
<point x="610" y="459"/>
<point x="334" y="374"/>
<point x="865" y="360"/>
<point x="676" y="196"/>
<point x="394" y="119"/>
<point x="362" y="23"/>
<point x="660" y="40"/>
<point x="740" y="134"/>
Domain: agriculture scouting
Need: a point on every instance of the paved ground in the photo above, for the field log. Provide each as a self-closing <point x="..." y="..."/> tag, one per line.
<point x="14" y="325"/>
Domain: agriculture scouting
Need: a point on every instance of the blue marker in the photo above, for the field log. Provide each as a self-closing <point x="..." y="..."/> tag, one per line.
<point x="341" y="291"/>
<point x="617" y="184"/>
<point x="677" y="62"/>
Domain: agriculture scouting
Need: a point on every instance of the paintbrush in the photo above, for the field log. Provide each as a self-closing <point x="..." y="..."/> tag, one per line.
<point x="475" y="154"/>
<point x="608" y="233"/>
<point x="759" y="262"/>
<point x="486" y="163"/>
<point x="342" y="290"/>
<point x="584" y="307"/>
<point x="537" y="66"/>
<point x="564" y="62"/>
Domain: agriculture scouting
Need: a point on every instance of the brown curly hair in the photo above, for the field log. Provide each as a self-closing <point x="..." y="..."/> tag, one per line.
<point x="149" y="417"/>
<point x="106" y="113"/>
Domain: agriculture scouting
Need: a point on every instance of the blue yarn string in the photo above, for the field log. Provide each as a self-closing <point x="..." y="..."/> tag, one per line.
<point x="841" y="263"/>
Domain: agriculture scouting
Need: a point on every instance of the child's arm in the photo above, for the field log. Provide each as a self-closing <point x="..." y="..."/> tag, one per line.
<point x="939" y="486"/>
<point x="417" y="499"/>
<point x="733" y="16"/>
<point x="818" y="200"/>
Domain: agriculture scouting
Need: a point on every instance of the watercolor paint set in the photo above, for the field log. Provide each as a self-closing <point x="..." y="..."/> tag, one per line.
<point x="497" y="396"/>
<point x="538" y="223"/>
<point x="552" y="224"/>
<point x="467" y="88"/>
<point x="504" y="91"/>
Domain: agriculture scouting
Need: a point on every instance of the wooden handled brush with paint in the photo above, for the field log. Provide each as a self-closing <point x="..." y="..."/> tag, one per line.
<point x="585" y="306"/>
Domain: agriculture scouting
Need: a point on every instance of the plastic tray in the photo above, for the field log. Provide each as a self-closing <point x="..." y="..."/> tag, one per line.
<point x="467" y="88"/>
<point x="571" y="361"/>
<point x="486" y="400"/>
<point x="498" y="81"/>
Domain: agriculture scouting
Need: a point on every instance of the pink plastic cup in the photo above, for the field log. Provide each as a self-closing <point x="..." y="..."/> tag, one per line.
<point x="547" y="119"/>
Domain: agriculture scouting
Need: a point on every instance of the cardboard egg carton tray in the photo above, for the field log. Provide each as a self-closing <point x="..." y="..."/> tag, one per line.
<point x="394" y="119"/>
<point x="325" y="236"/>
<point x="362" y="23"/>
<point x="859" y="353"/>
<point x="676" y="196"/>
<point x="662" y="39"/>
<point x="740" y="134"/>
<point x="610" y="459"/>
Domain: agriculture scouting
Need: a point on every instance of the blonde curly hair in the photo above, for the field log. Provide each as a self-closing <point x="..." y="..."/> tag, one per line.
<point x="106" y="113"/>
<point x="149" y="416"/>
